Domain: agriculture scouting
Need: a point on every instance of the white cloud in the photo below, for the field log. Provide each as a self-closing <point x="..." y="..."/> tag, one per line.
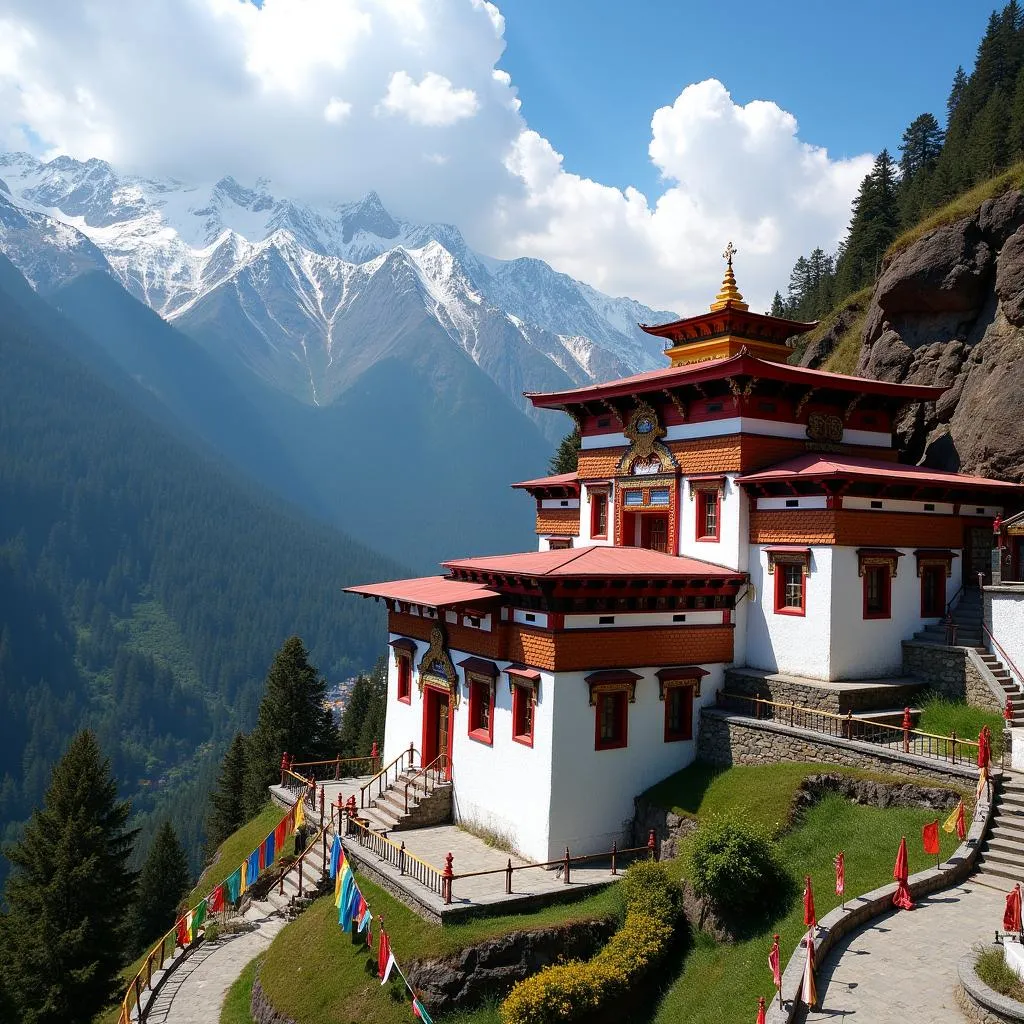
<point x="204" y="88"/>
<point x="434" y="101"/>
<point x="337" y="110"/>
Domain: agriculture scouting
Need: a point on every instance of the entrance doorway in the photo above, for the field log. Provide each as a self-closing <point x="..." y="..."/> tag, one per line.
<point x="977" y="555"/>
<point x="437" y="734"/>
<point x="654" y="531"/>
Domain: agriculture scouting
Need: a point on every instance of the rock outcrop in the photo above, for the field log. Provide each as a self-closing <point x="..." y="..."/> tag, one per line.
<point x="949" y="310"/>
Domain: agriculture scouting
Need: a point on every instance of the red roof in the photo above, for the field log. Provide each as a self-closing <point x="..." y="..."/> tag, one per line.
<point x="561" y="480"/>
<point x="593" y="561"/>
<point x="731" y="366"/>
<point x="817" y="467"/>
<point x="432" y="591"/>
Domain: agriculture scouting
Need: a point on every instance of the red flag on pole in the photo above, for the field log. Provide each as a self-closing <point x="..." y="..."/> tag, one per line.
<point x="775" y="964"/>
<point x="930" y="837"/>
<point x="902" y="898"/>
<point x="961" y="824"/>
<point x="215" y="901"/>
<point x="1011" y="916"/>
<point x="840" y="864"/>
<point x="760" y="1010"/>
<point x="383" y="951"/>
<point x="808" y="990"/>
<point x="810" y="919"/>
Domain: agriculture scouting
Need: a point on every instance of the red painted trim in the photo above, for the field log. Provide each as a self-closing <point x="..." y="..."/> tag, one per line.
<point x="596" y="500"/>
<point x="621" y="715"/>
<point x="780" y="591"/>
<point x="686" y="730"/>
<point x="404" y="687"/>
<point x="704" y="494"/>
<point x="519" y="694"/>
<point x="886" y="613"/>
<point x="480" y="689"/>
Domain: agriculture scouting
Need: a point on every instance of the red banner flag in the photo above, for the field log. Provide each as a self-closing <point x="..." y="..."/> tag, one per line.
<point x="760" y="1011"/>
<point x="1011" y="916"/>
<point x="383" y="952"/>
<point x="930" y="837"/>
<point x="810" y="917"/>
<point x="840" y="863"/>
<point x="902" y="898"/>
<point x="215" y="901"/>
<point x="775" y="964"/>
<point x="182" y="932"/>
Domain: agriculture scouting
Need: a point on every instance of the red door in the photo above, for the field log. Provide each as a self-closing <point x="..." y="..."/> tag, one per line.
<point x="437" y="732"/>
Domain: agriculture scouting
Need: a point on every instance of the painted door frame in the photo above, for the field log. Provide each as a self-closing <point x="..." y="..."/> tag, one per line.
<point x="432" y="695"/>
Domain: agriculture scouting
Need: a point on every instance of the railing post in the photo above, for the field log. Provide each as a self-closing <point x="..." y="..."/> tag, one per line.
<point x="138" y="996"/>
<point x="652" y="849"/>
<point x="300" y="876"/>
<point x="280" y="890"/>
<point x="321" y="806"/>
<point x="412" y="754"/>
<point x="792" y="712"/>
<point x="284" y="766"/>
<point x="565" y="868"/>
<point x="614" y="851"/>
<point x="446" y="883"/>
<point x="952" y="744"/>
<point x="401" y="858"/>
<point x="849" y="724"/>
<point x="374" y="757"/>
<point x="337" y="767"/>
<point x="906" y="730"/>
<point x="323" y="866"/>
<point x="149" y="971"/>
<point x="508" y="878"/>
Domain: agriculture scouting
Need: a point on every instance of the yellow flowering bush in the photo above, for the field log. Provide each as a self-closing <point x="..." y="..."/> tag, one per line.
<point x="573" y="991"/>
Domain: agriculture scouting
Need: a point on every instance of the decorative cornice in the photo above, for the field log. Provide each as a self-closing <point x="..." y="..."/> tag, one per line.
<point x="437" y="661"/>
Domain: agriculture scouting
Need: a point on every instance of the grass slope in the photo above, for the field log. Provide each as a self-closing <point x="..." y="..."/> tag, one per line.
<point x="720" y="984"/>
<point x="235" y="1008"/>
<point x="315" y="974"/>
<point x="943" y="717"/>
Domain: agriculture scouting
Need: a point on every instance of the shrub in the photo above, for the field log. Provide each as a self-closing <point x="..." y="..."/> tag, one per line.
<point x="994" y="971"/>
<point x="574" y="991"/>
<point x="734" y="867"/>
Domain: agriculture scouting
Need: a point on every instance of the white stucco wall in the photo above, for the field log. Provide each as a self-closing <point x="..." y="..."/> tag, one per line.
<point x="592" y="790"/>
<point x="404" y="722"/>
<point x="795" y="644"/>
<point x="584" y="538"/>
<point x="870" y="648"/>
<point x="731" y="548"/>
<point x="1005" y="617"/>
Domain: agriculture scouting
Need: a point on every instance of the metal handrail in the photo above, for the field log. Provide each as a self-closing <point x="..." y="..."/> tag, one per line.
<point x="407" y="863"/>
<point x="336" y="764"/>
<point x="912" y="741"/>
<point x="383" y="774"/>
<point x="1006" y="658"/>
<point x="441" y="762"/>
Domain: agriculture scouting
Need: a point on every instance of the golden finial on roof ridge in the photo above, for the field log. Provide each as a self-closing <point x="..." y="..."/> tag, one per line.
<point x="730" y="294"/>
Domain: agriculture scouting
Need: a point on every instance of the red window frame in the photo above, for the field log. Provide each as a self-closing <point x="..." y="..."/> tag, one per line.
<point x="782" y="569"/>
<point x="481" y="699"/>
<point x="684" y="730"/>
<point x="598" y="510"/>
<point x="705" y="497"/>
<point x="523" y="714"/>
<point x="937" y="607"/>
<point x="884" y="575"/>
<point x="404" y="689"/>
<point x="615" y="703"/>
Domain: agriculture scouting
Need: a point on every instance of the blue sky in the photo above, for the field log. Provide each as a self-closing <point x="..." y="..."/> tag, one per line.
<point x="854" y="75"/>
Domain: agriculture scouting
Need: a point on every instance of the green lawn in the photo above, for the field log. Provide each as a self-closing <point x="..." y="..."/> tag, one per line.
<point x="236" y="1003"/>
<point x="314" y="973"/>
<point x="235" y="849"/>
<point x="941" y="717"/>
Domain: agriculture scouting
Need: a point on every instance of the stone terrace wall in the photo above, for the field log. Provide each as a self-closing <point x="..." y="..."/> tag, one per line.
<point x="727" y="738"/>
<point x="835" y="699"/>
<point x="954" y="672"/>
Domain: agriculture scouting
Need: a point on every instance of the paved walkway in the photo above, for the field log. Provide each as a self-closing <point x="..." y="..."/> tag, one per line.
<point x="902" y="967"/>
<point x="195" y="990"/>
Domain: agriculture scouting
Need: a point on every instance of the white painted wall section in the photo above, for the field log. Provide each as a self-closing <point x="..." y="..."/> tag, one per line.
<point x="1005" y="617"/>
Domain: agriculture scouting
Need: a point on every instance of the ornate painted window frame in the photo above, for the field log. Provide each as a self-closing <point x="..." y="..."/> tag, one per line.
<point x="436" y="668"/>
<point x="404" y="651"/>
<point x="935" y="556"/>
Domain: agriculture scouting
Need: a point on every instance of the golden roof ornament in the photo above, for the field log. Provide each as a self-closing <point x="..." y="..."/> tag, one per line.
<point x="730" y="295"/>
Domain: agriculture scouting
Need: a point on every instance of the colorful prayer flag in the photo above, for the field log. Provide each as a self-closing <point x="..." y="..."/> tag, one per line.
<point x="808" y="990"/>
<point x="336" y="855"/>
<point x="359" y="907"/>
<point x="930" y="838"/>
<point x="421" y="1011"/>
<point x="982" y="779"/>
<point x="261" y="853"/>
<point x="268" y="857"/>
<point x="810" y="916"/>
<point x="255" y="865"/>
<point x="364" y="922"/>
<point x="215" y="901"/>
<point x="385" y="961"/>
<point x="233" y="885"/>
<point x="961" y="825"/>
<point x="198" y="917"/>
<point x="280" y="834"/>
<point x="188" y="927"/>
<point x="300" y="815"/>
<point x="775" y="964"/>
<point x="182" y="932"/>
<point x="840" y="865"/>
<point x="949" y="825"/>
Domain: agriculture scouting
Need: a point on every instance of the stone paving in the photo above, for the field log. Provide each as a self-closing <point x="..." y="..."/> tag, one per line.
<point x="194" y="991"/>
<point x="902" y="967"/>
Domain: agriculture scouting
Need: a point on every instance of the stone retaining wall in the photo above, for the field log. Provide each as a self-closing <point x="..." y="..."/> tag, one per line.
<point x="836" y="700"/>
<point x="956" y="673"/>
<point x="978" y="1002"/>
<point x="262" y="1010"/>
<point x="727" y="738"/>
<point x="839" y="922"/>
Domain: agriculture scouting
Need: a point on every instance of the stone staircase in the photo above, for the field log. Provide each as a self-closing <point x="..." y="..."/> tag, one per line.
<point x="387" y="812"/>
<point x="1002" y="854"/>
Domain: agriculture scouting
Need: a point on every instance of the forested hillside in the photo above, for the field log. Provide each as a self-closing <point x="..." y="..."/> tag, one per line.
<point x="143" y="587"/>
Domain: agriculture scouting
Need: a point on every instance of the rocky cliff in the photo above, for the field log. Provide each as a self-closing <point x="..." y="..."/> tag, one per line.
<point x="948" y="309"/>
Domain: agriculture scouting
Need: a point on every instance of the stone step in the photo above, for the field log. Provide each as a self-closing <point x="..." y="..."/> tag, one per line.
<point x="1012" y="848"/>
<point x="995" y="866"/>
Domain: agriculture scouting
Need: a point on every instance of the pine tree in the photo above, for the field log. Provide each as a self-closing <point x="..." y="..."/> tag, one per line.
<point x="163" y="882"/>
<point x="956" y="94"/>
<point x="566" y="455"/>
<point x="990" y="144"/>
<point x="1015" y="141"/>
<point x="873" y="226"/>
<point x="227" y="799"/>
<point x="65" y="934"/>
<point x="778" y="307"/>
<point x="920" y="150"/>
<point x="293" y="718"/>
<point x="372" y="730"/>
<point x="352" y="718"/>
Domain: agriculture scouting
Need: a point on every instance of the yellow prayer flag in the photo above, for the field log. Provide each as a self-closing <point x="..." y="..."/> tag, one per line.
<point x="982" y="779"/>
<point x="949" y="825"/>
<point x="337" y="889"/>
<point x="300" y="815"/>
<point x="245" y="876"/>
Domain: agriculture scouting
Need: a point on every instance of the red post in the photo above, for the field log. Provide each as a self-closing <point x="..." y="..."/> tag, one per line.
<point x="906" y="730"/>
<point x="373" y="757"/>
<point x="337" y="767"/>
<point x="615" y="850"/>
<point x="508" y="877"/>
<point x="1008" y="710"/>
<point x="284" y="766"/>
<point x="321" y="804"/>
<point x="446" y="884"/>
<point x="652" y="847"/>
<point x="566" y="867"/>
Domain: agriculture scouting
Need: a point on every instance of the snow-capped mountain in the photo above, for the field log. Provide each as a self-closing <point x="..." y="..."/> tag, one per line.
<point x="310" y="297"/>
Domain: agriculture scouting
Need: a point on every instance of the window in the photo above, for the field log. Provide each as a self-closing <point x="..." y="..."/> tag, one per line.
<point x="933" y="591"/>
<point x="611" y="720"/>
<point x="599" y="515"/>
<point x="405" y="679"/>
<point x="792" y="503"/>
<point x="481" y="710"/>
<point x="790" y="588"/>
<point x="522" y="714"/>
<point x="559" y="543"/>
<point x="659" y="496"/>
<point x="633" y="498"/>
<point x="678" y="713"/>
<point x="876" y="504"/>
<point x="606" y="620"/>
<point x="877" y="592"/>
<point x="708" y="508"/>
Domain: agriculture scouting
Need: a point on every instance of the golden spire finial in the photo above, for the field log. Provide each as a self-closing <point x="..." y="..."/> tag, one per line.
<point x="730" y="294"/>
